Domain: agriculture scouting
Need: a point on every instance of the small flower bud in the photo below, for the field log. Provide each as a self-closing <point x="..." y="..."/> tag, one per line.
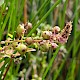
<point x="54" y="45"/>
<point x="46" y="34"/>
<point x="45" y="47"/>
<point x="1" y="48"/>
<point x="47" y="28"/>
<point x="20" y="29"/>
<point x="29" y="25"/>
<point x="15" y="44"/>
<point x="29" y="40"/>
<point x="56" y="29"/>
<point x="35" y="45"/>
<point x="21" y="48"/>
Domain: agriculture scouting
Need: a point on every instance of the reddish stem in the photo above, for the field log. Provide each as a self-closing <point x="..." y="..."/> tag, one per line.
<point x="4" y="75"/>
<point x="25" y="11"/>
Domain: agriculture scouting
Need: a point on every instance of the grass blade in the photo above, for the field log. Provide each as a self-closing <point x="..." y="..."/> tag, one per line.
<point x="44" y="17"/>
<point x="50" y="64"/>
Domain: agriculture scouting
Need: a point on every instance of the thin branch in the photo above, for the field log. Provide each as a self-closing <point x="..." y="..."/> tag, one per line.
<point x="4" y="75"/>
<point x="25" y="11"/>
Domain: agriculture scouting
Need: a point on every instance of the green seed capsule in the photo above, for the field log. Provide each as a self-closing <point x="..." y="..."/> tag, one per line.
<point x="15" y="44"/>
<point x="20" y="29"/>
<point x="21" y="48"/>
<point x="46" y="34"/>
<point x="45" y="47"/>
<point x="29" y="40"/>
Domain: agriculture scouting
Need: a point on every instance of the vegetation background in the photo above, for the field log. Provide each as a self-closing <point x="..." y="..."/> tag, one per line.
<point x="52" y="12"/>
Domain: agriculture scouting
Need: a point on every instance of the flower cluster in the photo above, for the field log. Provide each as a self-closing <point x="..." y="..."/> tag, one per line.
<point x="45" y="39"/>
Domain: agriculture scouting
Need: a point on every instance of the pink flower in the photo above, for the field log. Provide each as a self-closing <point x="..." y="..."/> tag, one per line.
<point x="54" y="45"/>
